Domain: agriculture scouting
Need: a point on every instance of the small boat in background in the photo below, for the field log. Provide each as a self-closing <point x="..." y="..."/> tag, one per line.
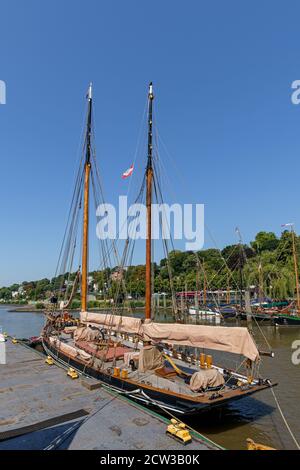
<point x="261" y="302"/>
<point x="258" y="315"/>
<point x="229" y="311"/>
<point x="290" y="316"/>
<point x="204" y="311"/>
<point x="287" y="319"/>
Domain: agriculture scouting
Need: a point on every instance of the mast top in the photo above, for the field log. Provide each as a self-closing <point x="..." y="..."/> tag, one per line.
<point x="150" y="94"/>
<point x="89" y="93"/>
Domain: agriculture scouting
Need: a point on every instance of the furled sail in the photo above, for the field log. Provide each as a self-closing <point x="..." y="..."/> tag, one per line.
<point x="115" y="322"/>
<point x="235" y="340"/>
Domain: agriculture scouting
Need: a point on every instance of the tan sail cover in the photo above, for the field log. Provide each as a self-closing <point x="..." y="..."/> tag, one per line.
<point x="235" y="340"/>
<point x="206" y="378"/>
<point x="150" y="358"/>
<point x="115" y="322"/>
<point x="85" y="333"/>
<point x="69" y="350"/>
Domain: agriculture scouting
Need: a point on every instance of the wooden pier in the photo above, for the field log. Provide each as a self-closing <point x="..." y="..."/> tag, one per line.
<point x="41" y="407"/>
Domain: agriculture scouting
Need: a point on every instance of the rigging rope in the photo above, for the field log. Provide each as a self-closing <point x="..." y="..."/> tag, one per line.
<point x="285" y="420"/>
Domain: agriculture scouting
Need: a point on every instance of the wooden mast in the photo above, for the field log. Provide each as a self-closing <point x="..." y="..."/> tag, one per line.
<point x="85" y="238"/>
<point x="296" y="268"/>
<point x="260" y="283"/>
<point x="241" y="259"/>
<point x="228" y="290"/>
<point x="204" y="283"/>
<point x="149" y="178"/>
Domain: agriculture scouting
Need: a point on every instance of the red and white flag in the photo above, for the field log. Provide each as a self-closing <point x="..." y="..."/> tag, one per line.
<point x="128" y="172"/>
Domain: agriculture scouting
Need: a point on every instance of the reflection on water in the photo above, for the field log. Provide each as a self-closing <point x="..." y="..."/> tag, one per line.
<point x="255" y="417"/>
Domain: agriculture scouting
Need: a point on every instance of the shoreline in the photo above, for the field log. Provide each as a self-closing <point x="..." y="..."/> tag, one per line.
<point x="31" y="308"/>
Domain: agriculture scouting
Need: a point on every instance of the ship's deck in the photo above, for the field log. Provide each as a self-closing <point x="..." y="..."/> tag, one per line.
<point x="174" y="384"/>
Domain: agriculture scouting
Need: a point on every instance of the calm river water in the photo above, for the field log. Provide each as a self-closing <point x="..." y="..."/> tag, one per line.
<point x="257" y="417"/>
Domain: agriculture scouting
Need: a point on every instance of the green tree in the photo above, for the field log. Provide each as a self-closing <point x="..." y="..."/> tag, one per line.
<point x="265" y="241"/>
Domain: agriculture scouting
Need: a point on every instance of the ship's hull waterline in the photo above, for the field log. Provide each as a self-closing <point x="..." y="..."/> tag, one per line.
<point x="287" y="320"/>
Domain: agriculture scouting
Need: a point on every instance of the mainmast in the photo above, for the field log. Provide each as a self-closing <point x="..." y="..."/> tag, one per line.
<point x="85" y="238"/>
<point x="149" y="178"/>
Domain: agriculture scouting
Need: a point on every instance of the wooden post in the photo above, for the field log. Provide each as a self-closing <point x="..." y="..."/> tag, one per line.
<point x="248" y="309"/>
<point x="196" y="301"/>
<point x="204" y="285"/>
<point x="260" y="283"/>
<point x="181" y="303"/>
<point x="228" y="291"/>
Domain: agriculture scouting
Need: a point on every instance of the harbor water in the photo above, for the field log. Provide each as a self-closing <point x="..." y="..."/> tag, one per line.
<point x="254" y="417"/>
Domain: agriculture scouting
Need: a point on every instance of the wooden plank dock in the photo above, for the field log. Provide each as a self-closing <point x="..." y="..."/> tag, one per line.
<point x="40" y="407"/>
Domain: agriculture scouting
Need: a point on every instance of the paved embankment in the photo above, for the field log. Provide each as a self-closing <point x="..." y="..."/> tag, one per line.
<point x="40" y="405"/>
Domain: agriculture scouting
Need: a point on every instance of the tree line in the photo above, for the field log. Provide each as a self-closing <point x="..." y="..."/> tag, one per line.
<point x="266" y="263"/>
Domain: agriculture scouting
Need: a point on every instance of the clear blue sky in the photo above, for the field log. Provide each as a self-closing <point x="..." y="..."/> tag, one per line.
<point x="222" y="73"/>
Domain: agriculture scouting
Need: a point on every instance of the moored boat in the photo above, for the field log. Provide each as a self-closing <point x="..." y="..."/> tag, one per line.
<point x="290" y="315"/>
<point x="165" y="365"/>
<point x="259" y="316"/>
<point x="285" y="319"/>
<point x="229" y="311"/>
<point x="204" y="311"/>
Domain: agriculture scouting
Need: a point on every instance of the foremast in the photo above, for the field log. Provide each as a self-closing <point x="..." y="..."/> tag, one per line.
<point x="149" y="180"/>
<point x="85" y="233"/>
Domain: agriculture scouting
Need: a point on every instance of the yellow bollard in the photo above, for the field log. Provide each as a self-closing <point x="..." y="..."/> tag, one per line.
<point x="72" y="373"/>
<point x="251" y="445"/>
<point x="49" y="361"/>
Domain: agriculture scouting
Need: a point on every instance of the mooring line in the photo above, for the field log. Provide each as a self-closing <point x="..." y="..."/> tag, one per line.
<point x="284" y="419"/>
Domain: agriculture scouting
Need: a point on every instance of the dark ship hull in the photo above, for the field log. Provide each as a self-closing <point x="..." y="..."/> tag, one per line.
<point x="259" y="317"/>
<point x="150" y="396"/>
<point x="287" y="320"/>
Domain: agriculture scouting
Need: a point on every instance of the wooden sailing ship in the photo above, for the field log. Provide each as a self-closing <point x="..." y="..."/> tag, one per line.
<point x="165" y="365"/>
<point x="203" y="310"/>
<point x="290" y="315"/>
<point x="215" y="311"/>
